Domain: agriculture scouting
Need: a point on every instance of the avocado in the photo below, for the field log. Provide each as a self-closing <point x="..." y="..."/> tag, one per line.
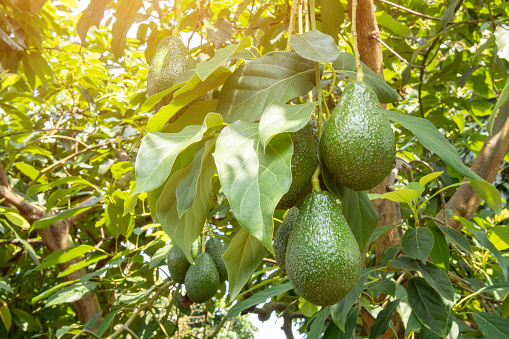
<point x="323" y="261"/>
<point x="177" y="264"/>
<point x="171" y="58"/>
<point x="357" y="144"/>
<point x="215" y="248"/>
<point x="281" y="237"/>
<point x="202" y="279"/>
<point x="304" y="162"/>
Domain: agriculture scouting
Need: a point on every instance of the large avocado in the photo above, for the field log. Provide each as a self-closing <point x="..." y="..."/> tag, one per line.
<point x="282" y="235"/>
<point x="323" y="260"/>
<point x="202" y="279"/>
<point x="177" y="264"/>
<point x="215" y="248"/>
<point x="304" y="162"/>
<point x="171" y="58"/>
<point x="357" y="144"/>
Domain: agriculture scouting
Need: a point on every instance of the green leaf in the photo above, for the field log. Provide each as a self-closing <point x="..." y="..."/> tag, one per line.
<point x="417" y="243"/>
<point x="5" y="314"/>
<point x="332" y="15"/>
<point x="279" y="118"/>
<point x="125" y="16"/>
<point x="242" y="258"/>
<point x="4" y="285"/>
<point x="81" y="264"/>
<point x="458" y="238"/>
<point x="158" y="152"/>
<point x="317" y="324"/>
<point x="360" y="215"/>
<point x="106" y="322"/>
<point x="75" y="181"/>
<point x="192" y="90"/>
<point x="45" y="222"/>
<point x="71" y="293"/>
<point x="27" y="169"/>
<point x="160" y="255"/>
<point x="448" y="13"/>
<point x="307" y="308"/>
<point x="405" y="195"/>
<point x="427" y="305"/>
<point x="205" y="69"/>
<point x="383" y="318"/>
<point x="339" y="312"/>
<point x="121" y="168"/>
<point x="117" y="223"/>
<point x="345" y="64"/>
<point x="315" y="46"/>
<point x="440" y="252"/>
<point x="432" y="139"/>
<point x="429" y="177"/>
<point x="278" y="76"/>
<point x="491" y="40"/>
<point x="378" y="232"/>
<point x="499" y="237"/>
<point x="64" y="255"/>
<point x="184" y="231"/>
<point x="398" y="28"/>
<point x="259" y="298"/>
<point x="254" y="180"/>
<point x="333" y="332"/>
<point x="491" y="325"/>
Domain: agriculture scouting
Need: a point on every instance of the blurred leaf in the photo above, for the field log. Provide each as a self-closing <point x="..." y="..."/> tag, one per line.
<point x="125" y="16"/>
<point x="120" y="168"/>
<point x="259" y="298"/>
<point x="254" y="180"/>
<point x="315" y="46"/>
<point x="502" y="38"/>
<point x="417" y="243"/>
<point x="242" y="258"/>
<point x="448" y="13"/>
<point x="4" y="285"/>
<point x="279" y="118"/>
<point x="345" y="64"/>
<point x="276" y="76"/>
<point x="491" y="325"/>
<point x="383" y="319"/>
<point x="5" y="314"/>
<point x="219" y="32"/>
<point x="160" y="255"/>
<point x="491" y="40"/>
<point x="499" y="237"/>
<point x="502" y="99"/>
<point x="17" y="219"/>
<point x="332" y="15"/>
<point x="71" y="293"/>
<point x="398" y="28"/>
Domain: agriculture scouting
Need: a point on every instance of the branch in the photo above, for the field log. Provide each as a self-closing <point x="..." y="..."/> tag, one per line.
<point x="17" y="242"/>
<point x="287" y="326"/>
<point x="42" y="130"/>
<point x="410" y="11"/>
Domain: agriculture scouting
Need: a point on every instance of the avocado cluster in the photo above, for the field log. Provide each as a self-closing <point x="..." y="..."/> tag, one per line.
<point x="202" y="278"/>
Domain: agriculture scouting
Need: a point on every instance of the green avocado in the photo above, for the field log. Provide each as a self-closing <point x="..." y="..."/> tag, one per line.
<point x="304" y="162"/>
<point x="323" y="261"/>
<point x="281" y="237"/>
<point x="357" y="144"/>
<point x="171" y="58"/>
<point x="202" y="279"/>
<point x="215" y="248"/>
<point x="177" y="264"/>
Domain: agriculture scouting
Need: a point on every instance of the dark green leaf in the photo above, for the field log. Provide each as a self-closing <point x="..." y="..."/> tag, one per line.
<point x="432" y="139"/>
<point x="378" y="232"/>
<point x="458" y="238"/>
<point x="106" y="322"/>
<point x="332" y="15"/>
<point x="383" y="318"/>
<point x="276" y="76"/>
<point x="398" y="28"/>
<point x="315" y="46"/>
<point x="242" y="258"/>
<point x="4" y="284"/>
<point x="360" y="215"/>
<point x="254" y="180"/>
<point x="43" y="223"/>
<point x="339" y="312"/>
<point x="333" y="332"/>
<point x="345" y="64"/>
<point x="259" y="298"/>
<point x="491" y="325"/>
<point x="64" y="255"/>
<point x="440" y="252"/>
<point x="448" y="13"/>
<point x="417" y="243"/>
<point x="71" y="293"/>
<point x="427" y="305"/>
<point x="317" y="324"/>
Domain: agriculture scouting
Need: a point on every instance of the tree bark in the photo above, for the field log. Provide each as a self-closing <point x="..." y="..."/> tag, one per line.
<point x="55" y="238"/>
<point x="465" y="200"/>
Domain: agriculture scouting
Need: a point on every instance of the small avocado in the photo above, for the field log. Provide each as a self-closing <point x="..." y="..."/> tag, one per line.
<point x="177" y="264"/>
<point x="215" y="248"/>
<point x="282" y="235"/>
<point x="202" y="279"/>
<point x="357" y="144"/>
<point x="323" y="261"/>
<point x="171" y="58"/>
<point x="304" y="162"/>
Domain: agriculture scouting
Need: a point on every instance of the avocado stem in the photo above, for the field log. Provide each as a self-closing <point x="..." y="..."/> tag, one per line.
<point x="314" y="179"/>
<point x="360" y="72"/>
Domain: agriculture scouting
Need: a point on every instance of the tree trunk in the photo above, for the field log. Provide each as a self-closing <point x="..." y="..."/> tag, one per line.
<point x="487" y="164"/>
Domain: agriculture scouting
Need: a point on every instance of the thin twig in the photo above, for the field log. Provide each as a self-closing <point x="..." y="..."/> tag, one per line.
<point x="42" y="130"/>
<point x="410" y="11"/>
<point x="19" y="243"/>
<point x="87" y="331"/>
<point x="394" y="52"/>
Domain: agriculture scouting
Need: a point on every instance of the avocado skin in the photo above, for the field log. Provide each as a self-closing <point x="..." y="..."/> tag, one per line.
<point x="177" y="264"/>
<point x="202" y="279"/>
<point x="171" y="58"/>
<point x="323" y="261"/>
<point x="215" y="248"/>
<point x="282" y="235"/>
<point x="357" y="143"/>
<point x="303" y="165"/>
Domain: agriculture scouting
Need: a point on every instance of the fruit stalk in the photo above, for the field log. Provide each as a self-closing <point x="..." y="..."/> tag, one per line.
<point x="314" y="179"/>
<point x="360" y="73"/>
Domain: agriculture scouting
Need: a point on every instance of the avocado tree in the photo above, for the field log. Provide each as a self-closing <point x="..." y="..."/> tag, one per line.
<point x="99" y="180"/>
